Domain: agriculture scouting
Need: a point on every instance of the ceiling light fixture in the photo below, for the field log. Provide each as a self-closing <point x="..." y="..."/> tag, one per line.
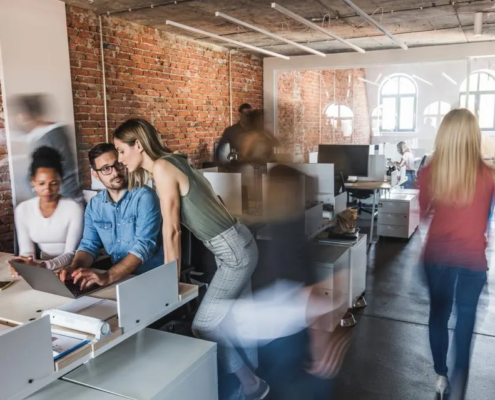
<point x="367" y="81"/>
<point x="478" y="24"/>
<point x="399" y="42"/>
<point x="212" y="35"/>
<point x="422" y="80"/>
<point x="272" y="35"/>
<point x="449" y="78"/>
<point x="304" y="21"/>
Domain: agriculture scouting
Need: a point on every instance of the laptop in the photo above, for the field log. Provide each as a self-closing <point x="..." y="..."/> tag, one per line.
<point x="45" y="280"/>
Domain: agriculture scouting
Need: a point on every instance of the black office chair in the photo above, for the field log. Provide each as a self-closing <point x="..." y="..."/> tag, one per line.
<point x="361" y="195"/>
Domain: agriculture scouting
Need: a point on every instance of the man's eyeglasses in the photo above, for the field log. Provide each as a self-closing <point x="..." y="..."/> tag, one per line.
<point x="107" y="169"/>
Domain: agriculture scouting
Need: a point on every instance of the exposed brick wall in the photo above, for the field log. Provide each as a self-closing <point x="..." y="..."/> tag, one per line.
<point x="303" y="97"/>
<point x="6" y="209"/>
<point x="181" y="86"/>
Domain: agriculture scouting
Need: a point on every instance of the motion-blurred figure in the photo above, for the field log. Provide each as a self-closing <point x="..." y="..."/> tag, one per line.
<point x="456" y="189"/>
<point x="31" y="118"/>
<point x="233" y="134"/>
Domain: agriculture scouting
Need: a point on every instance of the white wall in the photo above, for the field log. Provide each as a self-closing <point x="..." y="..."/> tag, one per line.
<point x="34" y="57"/>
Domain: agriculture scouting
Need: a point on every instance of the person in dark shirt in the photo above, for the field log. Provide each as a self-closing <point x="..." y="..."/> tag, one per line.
<point x="233" y="134"/>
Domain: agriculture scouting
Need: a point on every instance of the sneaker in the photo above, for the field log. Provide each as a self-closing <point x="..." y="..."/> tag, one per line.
<point x="260" y="393"/>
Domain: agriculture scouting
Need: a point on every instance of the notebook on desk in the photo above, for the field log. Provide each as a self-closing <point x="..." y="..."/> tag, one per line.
<point x="45" y="280"/>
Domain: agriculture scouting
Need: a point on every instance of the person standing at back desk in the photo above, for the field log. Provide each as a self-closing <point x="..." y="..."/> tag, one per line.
<point x="407" y="162"/>
<point x="233" y="134"/>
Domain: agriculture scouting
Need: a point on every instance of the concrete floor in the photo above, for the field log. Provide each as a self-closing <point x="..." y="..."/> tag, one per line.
<point x="390" y="356"/>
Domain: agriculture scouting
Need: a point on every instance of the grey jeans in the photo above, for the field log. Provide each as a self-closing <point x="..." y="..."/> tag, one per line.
<point x="236" y="254"/>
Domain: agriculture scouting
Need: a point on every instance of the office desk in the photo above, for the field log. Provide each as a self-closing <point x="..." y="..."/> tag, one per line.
<point x="374" y="187"/>
<point x="20" y="303"/>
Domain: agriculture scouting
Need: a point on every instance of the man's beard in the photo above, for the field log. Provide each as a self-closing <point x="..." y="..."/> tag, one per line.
<point x="117" y="186"/>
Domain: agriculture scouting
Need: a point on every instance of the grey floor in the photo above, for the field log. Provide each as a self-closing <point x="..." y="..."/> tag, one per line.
<point x="390" y="356"/>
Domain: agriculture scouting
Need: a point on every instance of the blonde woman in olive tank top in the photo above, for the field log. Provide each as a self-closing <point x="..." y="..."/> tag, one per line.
<point x="187" y="197"/>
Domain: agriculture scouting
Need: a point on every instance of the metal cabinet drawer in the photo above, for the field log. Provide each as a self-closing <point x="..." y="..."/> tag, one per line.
<point x="393" y="207"/>
<point x="393" y="231"/>
<point x="392" y="219"/>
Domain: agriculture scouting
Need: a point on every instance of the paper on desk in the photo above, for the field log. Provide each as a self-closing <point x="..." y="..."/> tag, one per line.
<point x="101" y="309"/>
<point x="64" y="343"/>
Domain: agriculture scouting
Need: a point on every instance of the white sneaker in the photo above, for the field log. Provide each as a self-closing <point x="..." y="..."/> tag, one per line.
<point x="443" y="386"/>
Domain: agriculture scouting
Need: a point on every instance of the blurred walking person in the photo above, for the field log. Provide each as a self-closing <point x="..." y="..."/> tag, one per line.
<point x="456" y="190"/>
<point x="31" y="111"/>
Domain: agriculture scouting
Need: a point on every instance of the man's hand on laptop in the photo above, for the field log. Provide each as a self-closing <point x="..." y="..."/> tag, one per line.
<point x="88" y="277"/>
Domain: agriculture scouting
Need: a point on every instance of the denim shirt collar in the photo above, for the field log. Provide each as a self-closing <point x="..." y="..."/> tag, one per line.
<point x="108" y="199"/>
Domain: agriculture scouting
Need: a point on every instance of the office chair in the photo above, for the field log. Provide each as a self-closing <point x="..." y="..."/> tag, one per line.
<point x="360" y="195"/>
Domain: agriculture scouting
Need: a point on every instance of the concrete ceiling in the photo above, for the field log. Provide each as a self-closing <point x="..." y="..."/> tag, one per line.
<point x="416" y="22"/>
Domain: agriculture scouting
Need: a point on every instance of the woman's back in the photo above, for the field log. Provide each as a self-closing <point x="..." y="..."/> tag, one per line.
<point x="456" y="236"/>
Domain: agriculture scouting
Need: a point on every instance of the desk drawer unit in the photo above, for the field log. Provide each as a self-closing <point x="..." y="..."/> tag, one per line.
<point x="398" y="215"/>
<point x="385" y="218"/>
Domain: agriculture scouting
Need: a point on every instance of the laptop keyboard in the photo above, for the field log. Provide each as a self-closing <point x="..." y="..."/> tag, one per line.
<point x="75" y="288"/>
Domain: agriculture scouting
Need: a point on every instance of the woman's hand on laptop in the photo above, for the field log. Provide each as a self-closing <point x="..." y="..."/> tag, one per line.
<point x="88" y="277"/>
<point x="28" y="260"/>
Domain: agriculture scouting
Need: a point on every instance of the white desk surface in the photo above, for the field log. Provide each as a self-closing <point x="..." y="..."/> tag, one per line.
<point x="61" y="390"/>
<point x="154" y="359"/>
<point x="20" y="302"/>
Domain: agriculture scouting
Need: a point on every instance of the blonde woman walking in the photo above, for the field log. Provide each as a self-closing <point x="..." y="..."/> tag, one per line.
<point x="456" y="189"/>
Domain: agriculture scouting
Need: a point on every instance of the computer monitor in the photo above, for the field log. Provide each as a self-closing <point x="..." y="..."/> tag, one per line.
<point x="350" y="160"/>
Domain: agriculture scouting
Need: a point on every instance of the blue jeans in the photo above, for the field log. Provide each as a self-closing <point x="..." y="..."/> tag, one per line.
<point x="411" y="179"/>
<point x="465" y="285"/>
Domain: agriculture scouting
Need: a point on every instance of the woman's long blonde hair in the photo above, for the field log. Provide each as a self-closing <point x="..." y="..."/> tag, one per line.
<point x="457" y="159"/>
<point x="139" y="129"/>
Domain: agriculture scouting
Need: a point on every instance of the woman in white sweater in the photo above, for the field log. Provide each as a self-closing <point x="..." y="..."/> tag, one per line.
<point x="50" y="221"/>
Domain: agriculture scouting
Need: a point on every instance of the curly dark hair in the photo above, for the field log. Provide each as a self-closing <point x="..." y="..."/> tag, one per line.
<point x="46" y="157"/>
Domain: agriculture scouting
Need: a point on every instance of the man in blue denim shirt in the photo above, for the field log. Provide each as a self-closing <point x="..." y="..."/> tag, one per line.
<point x="126" y="223"/>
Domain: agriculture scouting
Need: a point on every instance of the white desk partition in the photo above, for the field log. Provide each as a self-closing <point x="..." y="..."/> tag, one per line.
<point x="62" y="390"/>
<point x="154" y="365"/>
<point x="26" y="357"/>
<point x="321" y="179"/>
<point x="229" y="187"/>
<point x="145" y="296"/>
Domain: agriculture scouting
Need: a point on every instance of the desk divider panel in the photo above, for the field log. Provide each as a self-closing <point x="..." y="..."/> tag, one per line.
<point x="147" y="295"/>
<point x="229" y="187"/>
<point x="27" y="356"/>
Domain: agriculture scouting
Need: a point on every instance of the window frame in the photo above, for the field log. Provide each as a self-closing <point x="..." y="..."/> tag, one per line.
<point x="339" y="117"/>
<point x="477" y="95"/>
<point x="398" y="98"/>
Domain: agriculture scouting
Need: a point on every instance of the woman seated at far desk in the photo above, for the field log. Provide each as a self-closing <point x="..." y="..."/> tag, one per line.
<point x="407" y="161"/>
<point x="52" y="222"/>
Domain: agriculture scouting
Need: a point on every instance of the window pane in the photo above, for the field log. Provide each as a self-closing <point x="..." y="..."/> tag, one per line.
<point x="406" y="86"/>
<point x="444" y="108"/>
<point x="432" y="109"/>
<point x="388" y="114"/>
<point x="487" y="83"/>
<point x="473" y="82"/>
<point x="332" y="111"/>
<point x="431" y="122"/>
<point x="406" y="117"/>
<point x="347" y="127"/>
<point x="346" y="112"/>
<point x="463" y="104"/>
<point x="487" y="111"/>
<point x="391" y="86"/>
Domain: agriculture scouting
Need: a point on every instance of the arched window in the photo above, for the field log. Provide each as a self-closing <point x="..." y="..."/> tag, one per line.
<point x="398" y="99"/>
<point x="481" y="98"/>
<point x="341" y="118"/>
<point x="434" y="113"/>
<point x="376" y="119"/>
